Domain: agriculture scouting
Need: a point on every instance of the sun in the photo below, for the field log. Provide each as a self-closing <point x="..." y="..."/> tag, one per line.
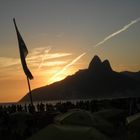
<point x="56" y="75"/>
<point x="57" y="78"/>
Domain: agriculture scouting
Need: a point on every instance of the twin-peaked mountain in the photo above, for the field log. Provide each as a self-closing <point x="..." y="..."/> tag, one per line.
<point x="99" y="80"/>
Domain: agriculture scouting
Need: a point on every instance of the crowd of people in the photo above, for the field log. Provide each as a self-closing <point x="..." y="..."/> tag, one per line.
<point x="45" y="107"/>
<point x="20" y="121"/>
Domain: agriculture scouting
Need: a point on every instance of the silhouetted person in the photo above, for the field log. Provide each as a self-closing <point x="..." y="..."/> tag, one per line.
<point x="25" y="108"/>
<point x="42" y="107"/>
<point x="38" y="107"/>
<point x="49" y="107"/>
<point x="133" y="106"/>
<point x="19" y="108"/>
<point x="31" y="108"/>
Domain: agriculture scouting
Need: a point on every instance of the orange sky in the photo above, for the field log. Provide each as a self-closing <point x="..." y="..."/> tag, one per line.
<point x="62" y="37"/>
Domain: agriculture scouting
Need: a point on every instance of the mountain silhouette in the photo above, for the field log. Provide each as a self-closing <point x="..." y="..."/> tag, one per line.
<point x="98" y="80"/>
<point x="134" y="75"/>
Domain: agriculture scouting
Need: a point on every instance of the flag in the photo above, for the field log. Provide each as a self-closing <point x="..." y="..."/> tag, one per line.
<point x="23" y="53"/>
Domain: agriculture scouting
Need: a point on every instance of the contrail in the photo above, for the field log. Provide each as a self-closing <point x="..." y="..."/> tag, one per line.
<point x="117" y="32"/>
<point x="44" y="57"/>
<point x="67" y="66"/>
<point x="98" y="44"/>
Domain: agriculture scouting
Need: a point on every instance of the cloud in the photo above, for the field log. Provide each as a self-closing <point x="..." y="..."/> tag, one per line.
<point x="44" y="57"/>
<point x="37" y="53"/>
<point x="8" y="62"/>
<point x="9" y="67"/>
<point x="124" y="67"/>
<point x="54" y="63"/>
<point x="37" y="58"/>
<point x="57" y="55"/>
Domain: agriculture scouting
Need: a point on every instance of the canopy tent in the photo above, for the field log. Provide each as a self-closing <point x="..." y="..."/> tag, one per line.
<point x="133" y="125"/>
<point x="85" y="118"/>
<point x="75" y="117"/>
<point x="109" y="113"/>
<point x="113" y="116"/>
<point x="76" y="124"/>
<point x="68" y="132"/>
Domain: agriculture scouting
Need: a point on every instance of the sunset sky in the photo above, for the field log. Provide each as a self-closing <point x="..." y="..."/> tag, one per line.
<point x="62" y="36"/>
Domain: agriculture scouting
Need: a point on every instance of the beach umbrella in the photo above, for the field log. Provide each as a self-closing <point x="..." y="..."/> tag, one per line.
<point x="75" y="124"/>
<point x="133" y="125"/>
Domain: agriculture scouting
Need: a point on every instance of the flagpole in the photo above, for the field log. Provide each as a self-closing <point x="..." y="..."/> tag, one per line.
<point x="23" y="53"/>
<point x="30" y="93"/>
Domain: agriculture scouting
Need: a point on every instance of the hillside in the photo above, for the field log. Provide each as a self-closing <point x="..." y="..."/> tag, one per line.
<point x="99" y="80"/>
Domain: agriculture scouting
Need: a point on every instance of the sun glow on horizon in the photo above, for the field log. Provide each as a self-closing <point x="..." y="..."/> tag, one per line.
<point x="59" y="77"/>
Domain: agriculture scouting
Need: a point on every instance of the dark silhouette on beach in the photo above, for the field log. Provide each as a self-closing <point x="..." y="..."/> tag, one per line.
<point x="22" y="121"/>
